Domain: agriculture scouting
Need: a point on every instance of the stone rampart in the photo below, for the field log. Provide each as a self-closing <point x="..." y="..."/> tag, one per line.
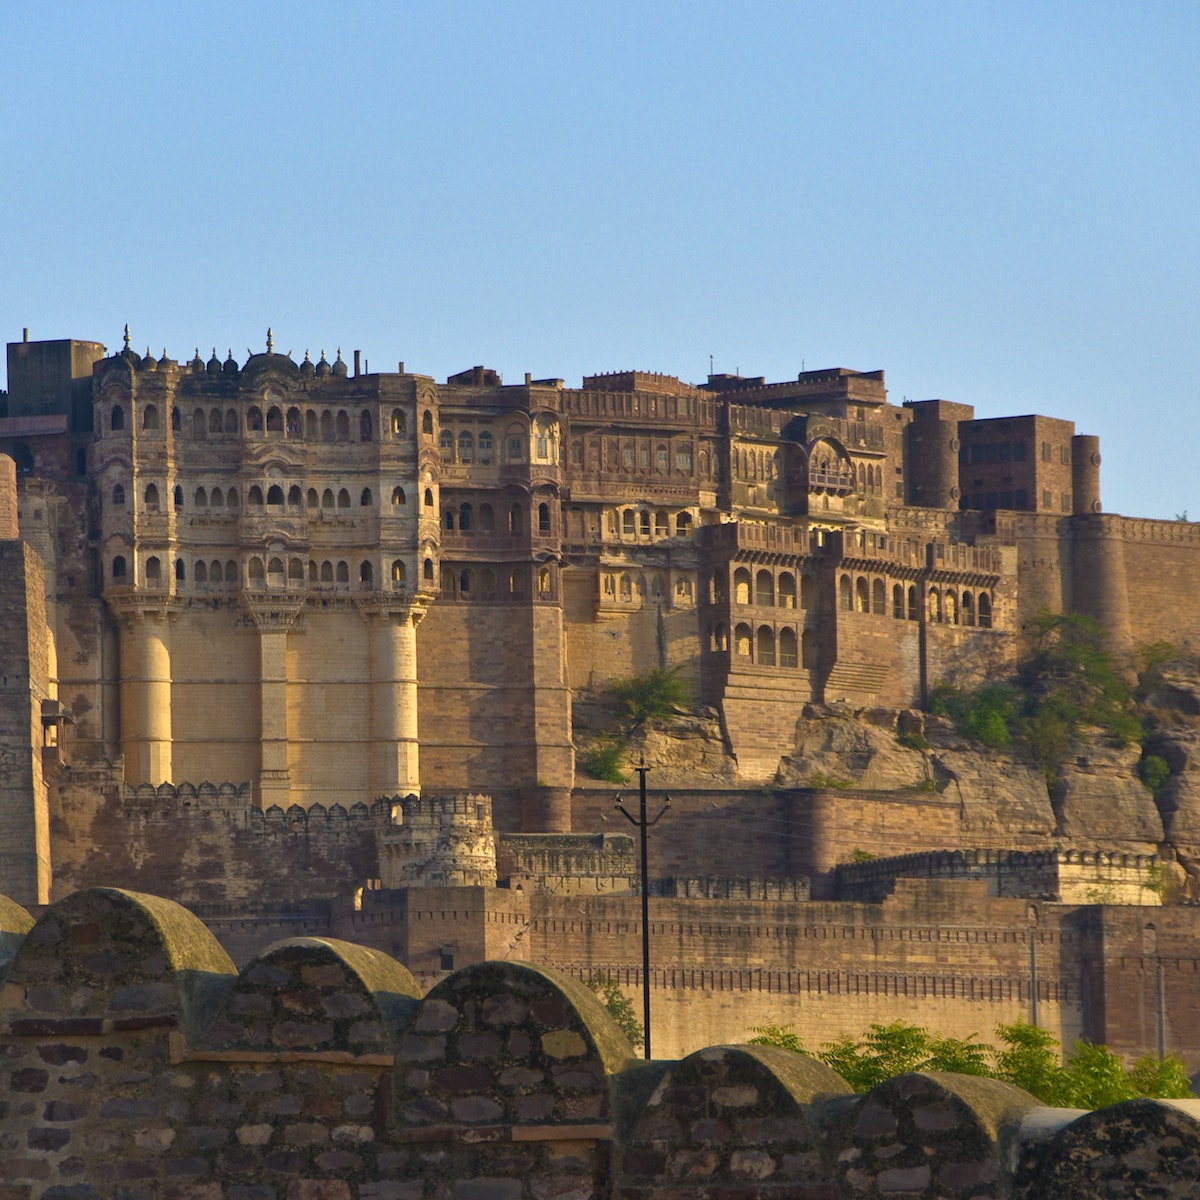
<point x="138" y="1064"/>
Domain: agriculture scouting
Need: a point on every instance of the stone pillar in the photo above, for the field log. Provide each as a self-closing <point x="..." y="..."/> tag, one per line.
<point x="1099" y="583"/>
<point x="1085" y="473"/>
<point x="8" y="499"/>
<point x="146" y="695"/>
<point x="273" y="618"/>
<point x="395" y="756"/>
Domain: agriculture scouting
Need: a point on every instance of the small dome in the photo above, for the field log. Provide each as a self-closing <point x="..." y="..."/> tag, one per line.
<point x="306" y="367"/>
<point x="164" y="361"/>
<point x="149" y="363"/>
<point x="197" y="363"/>
<point x="323" y="365"/>
<point x="214" y="363"/>
<point x="339" y="367"/>
<point x="231" y="367"/>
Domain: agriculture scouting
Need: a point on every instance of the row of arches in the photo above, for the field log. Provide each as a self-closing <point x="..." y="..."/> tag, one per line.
<point x="467" y="448"/>
<point x="639" y="456"/>
<point x="466" y="519"/>
<point x="262" y="573"/>
<point x="767" y="646"/>
<point x="634" y="587"/>
<point x="537" y="442"/>
<point x="324" y="425"/>
<point x="273" y="497"/>
<point x="769" y="589"/>
<point x="466" y="583"/>
<point x="948" y="606"/>
<point x="642" y="523"/>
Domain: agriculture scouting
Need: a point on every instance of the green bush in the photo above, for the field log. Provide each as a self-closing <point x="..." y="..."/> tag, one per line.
<point x="913" y="741"/>
<point x="602" y="759"/>
<point x="619" y="1006"/>
<point x="658" y="695"/>
<point x="1154" y="773"/>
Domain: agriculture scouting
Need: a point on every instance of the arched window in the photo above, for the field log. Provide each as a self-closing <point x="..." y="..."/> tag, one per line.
<point x="741" y="641"/>
<point x="427" y="570"/>
<point x="312" y="500"/>
<point x="214" y="420"/>
<point x="788" y="656"/>
<point x="465" y="514"/>
<point x="397" y="573"/>
<point x="231" y="571"/>
<point x="294" y="498"/>
<point x="231" y="420"/>
<point x="254" y="420"/>
<point x="448" y="520"/>
<point x="626" y="587"/>
<point x="879" y="598"/>
<point x="913" y="612"/>
<point x="200" y="499"/>
<point x="366" y="429"/>
<point x="466" y="582"/>
<point x="766" y="646"/>
<point x="515" y="519"/>
<point x="968" y="609"/>
<point x="201" y="572"/>
<point x="176" y="423"/>
<point x="448" y="582"/>
<point x="327" y="572"/>
<point x="295" y="572"/>
<point x="312" y="425"/>
<point x="343" y="498"/>
<point x="118" y="496"/>
<point x="275" y="494"/>
<point x="153" y="570"/>
<point x="343" y="572"/>
<point x="662" y="525"/>
<point x="683" y="525"/>
<point x="326" y="425"/>
<point x="274" y="419"/>
<point x="343" y="429"/>
<point x="720" y="586"/>
<point x="466" y="446"/>
<point x="118" y="567"/>
<point x="275" y="572"/>
<point x="150" y="418"/>
<point x="720" y="638"/>
<point x="628" y="525"/>
<point x="543" y="518"/>
<point x="177" y="496"/>
<point x="845" y="594"/>
<point x="294" y="424"/>
<point x="951" y="602"/>
<point x="427" y="422"/>
<point x="985" y="611"/>
<point x="214" y="571"/>
<point x="255" y="572"/>
<point x="485" y="446"/>
<point x="254" y="497"/>
<point x="935" y="605"/>
<point x="398" y="423"/>
<point x="428" y="497"/>
<point x="487" y="519"/>
<point x="764" y="588"/>
<point x="543" y="582"/>
<point x="151" y="497"/>
<point x="199" y="424"/>
<point x="898" y="601"/>
<point x="397" y="497"/>
<point x="787" y="590"/>
<point x="366" y="575"/>
<point x="117" y="421"/>
<point x="446" y="445"/>
<point x="644" y="524"/>
<point x="216" y="500"/>
<point x="364" y="501"/>
<point x="862" y="603"/>
<point x="741" y="586"/>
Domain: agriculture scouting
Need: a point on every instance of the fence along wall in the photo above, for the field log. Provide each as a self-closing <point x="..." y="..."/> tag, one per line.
<point x="137" y="1063"/>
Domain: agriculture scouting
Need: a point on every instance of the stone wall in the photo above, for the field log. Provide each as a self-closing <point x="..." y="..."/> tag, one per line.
<point x="138" y="1064"/>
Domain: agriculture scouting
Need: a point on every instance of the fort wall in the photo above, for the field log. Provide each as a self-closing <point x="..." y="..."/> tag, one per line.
<point x="139" y="1062"/>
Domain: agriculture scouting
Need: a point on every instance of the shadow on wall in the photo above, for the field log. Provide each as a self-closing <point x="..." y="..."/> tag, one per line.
<point x="136" y="1059"/>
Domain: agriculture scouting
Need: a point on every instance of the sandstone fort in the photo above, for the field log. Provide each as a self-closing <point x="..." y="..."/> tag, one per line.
<point x="316" y="650"/>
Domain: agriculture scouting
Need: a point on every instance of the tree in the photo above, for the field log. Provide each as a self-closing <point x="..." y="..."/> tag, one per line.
<point x="658" y="694"/>
<point x="619" y="1006"/>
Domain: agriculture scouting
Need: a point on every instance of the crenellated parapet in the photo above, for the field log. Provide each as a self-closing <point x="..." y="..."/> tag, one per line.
<point x="439" y="841"/>
<point x="133" y="1049"/>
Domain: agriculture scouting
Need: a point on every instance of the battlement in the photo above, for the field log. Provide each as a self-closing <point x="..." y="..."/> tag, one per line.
<point x="1064" y="876"/>
<point x="135" y="1050"/>
<point x="637" y="381"/>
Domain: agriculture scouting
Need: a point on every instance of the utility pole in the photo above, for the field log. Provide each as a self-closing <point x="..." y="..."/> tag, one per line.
<point x="643" y="824"/>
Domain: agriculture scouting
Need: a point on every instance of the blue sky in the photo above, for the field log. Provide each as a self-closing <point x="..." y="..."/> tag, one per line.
<point x="997" y="204"/>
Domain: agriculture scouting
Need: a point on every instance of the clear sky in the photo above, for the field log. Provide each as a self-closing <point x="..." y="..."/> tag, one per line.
<point x="998" y="204"/>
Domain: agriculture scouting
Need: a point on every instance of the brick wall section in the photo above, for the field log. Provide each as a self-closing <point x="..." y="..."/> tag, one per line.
<point x="135" y="1064"/>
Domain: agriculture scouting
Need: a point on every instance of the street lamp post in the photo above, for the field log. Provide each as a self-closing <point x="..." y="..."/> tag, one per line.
<point x="643" y="825"/>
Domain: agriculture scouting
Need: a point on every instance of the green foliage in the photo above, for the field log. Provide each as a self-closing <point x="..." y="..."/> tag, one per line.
<point x="818" y="779"/>
<point x="1156" y="880"/>
<point x="923" y="785"/>
<point x="913" y="740"/>
<point x="659" y="694"/>
<point x="1154" y="773"/>
<point x="857" y="855"/>
<point x="619" y="1005"/>
<point x="602" y="759"/>
<point x="986" y="715"/>
<point x="1028" y="1057"/>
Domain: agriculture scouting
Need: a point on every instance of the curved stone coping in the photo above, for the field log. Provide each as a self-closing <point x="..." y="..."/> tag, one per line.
<point x="317" y="995"/>
<point x="118" y="956"/>
<point x="15" y="923"/>
<point x="508" y="1044"/>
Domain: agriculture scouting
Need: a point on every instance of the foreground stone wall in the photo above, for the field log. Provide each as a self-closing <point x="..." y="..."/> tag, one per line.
<point x="136" y="1063"/>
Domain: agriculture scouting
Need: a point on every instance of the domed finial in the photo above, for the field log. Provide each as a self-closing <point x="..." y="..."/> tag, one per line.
<point x="306" y="358"/>
<point x="270" y="341"/>
<point x="126" y="335"/>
